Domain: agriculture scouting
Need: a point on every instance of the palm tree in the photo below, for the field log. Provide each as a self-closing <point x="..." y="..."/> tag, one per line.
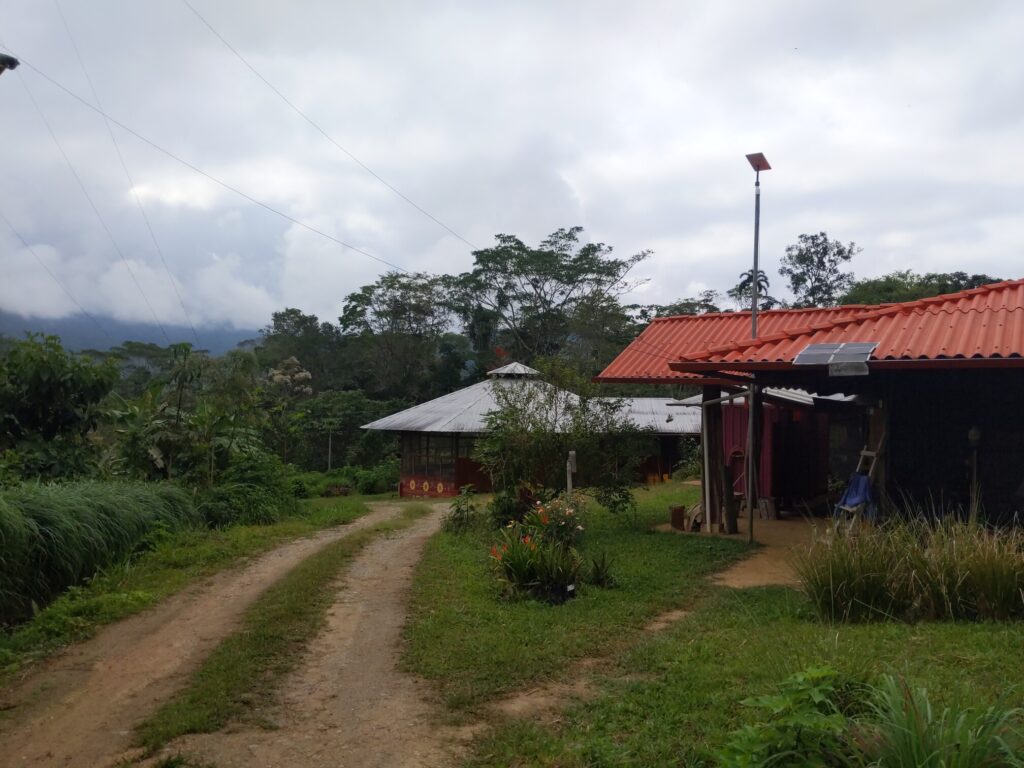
<point x="741" y="294"/>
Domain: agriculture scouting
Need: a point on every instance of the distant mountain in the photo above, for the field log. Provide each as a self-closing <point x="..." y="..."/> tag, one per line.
<point x="79" y="332"/>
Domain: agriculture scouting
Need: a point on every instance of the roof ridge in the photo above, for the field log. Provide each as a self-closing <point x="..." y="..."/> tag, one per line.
<point x="763" y="312"/>
<point x="878" y="311"/>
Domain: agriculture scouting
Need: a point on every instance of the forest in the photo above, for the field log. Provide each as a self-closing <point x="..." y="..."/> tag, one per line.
<point x="246" y="433"/>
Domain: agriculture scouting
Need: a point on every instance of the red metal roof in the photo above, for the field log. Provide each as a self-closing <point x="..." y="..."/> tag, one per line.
<point x="983" y="325"/>
<point x="666" y="339"/>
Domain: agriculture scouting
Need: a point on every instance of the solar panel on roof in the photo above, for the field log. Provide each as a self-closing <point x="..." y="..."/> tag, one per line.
<point x="833" y="353"/>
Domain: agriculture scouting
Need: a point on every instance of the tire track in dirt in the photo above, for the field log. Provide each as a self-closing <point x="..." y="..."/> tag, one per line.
<point x="348" y="703"/>
<point x="79" y="708"/>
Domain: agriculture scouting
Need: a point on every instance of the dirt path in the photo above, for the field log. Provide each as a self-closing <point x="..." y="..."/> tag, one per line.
<point x="348" y="704"/>
<point x="78" y="709"/>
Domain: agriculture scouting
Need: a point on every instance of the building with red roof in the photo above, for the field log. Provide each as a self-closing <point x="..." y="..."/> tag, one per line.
<point x="940" y="384"/>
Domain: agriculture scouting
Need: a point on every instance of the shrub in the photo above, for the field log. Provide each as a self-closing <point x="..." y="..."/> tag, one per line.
<point x="601" y="571"/>
<point x="915" y="569"/>
<point x="558" y="520"/>
<point x="528" y="566"/>
<point x="341" y="481"/>
<point x="462" y="512"/>
<point x="505" y="508"/>
<point x="804" y="724"/>
<point x="903" y="729"/>
<point x="54" y="536"/>
<point x="256" y="489"/>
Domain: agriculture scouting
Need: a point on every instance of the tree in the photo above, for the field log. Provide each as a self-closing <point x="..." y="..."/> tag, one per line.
<point x="49" y="404"/>
<point x="703" y="303"/>
<point x="317" y="345"/>
<point x="814" y="268"/>
<point x="536" y="297"/>
<point x="398" y="323"/>
<point x="908" y="286"/>
<point x="537" y="423"/>
<point x="742" y="292"/>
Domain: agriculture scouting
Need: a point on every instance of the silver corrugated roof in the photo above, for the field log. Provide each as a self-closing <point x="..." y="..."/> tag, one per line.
<point x="656" y="413"/>
<point x="466" y="411"/>
<point x="462" y="411"/>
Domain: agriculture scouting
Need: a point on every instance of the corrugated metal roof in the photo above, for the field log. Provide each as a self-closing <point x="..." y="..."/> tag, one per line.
<point x="667" y="339"/>
<point x="462" y="411"/>
<point x="466" y="411"/>
<point x="981" y="324"/>
<point x="656" y="413"/>
<point x="514" y="369"/>
<point x="785" y="394"/>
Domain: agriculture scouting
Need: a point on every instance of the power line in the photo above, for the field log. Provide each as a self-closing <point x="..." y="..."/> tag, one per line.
<point x="321" y="131"/>
<point x="95" y="210"/>
<point x="124" y="167"/>
<point x="203" y="173"/>
<point x="57" y="280"/>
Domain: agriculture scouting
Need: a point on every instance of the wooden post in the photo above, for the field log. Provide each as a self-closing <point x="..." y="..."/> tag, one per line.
<point x="714" y="459"/>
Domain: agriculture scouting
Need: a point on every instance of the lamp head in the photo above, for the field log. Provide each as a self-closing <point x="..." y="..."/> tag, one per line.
<point x="758" y="162"/>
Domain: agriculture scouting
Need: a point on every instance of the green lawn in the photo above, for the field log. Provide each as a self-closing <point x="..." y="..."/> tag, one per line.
<point x="475" y="645"/>
<point x="174" y="561"/>
<point x="673" y="695"/>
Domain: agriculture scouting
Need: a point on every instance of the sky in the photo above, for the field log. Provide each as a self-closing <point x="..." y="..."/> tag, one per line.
<point x="896" y="125"/>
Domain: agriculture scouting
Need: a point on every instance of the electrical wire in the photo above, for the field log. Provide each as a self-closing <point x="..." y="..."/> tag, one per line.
<point x="201" y="172"/>
<point x="54" y="277"/>
<point x="95" y="210"/>
<point x="321" y="131"/>
<point x="124" y="167"/>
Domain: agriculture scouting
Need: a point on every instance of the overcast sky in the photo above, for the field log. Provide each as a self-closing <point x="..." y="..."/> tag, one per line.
<point x="898" y="125"/>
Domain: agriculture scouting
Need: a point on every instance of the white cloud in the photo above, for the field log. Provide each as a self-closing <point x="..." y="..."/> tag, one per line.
<point x="893" y="125"/>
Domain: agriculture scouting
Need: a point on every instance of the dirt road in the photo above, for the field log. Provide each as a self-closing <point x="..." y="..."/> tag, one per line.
<point x="79" y="708"/>
<point x="348" y="704"/>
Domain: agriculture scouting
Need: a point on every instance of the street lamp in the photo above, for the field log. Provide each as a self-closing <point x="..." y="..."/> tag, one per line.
<point x="7" y="62"/>
<point x="758" y="163"/>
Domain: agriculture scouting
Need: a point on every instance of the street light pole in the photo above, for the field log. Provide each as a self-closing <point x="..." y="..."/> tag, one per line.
<point x="758" y="163"/>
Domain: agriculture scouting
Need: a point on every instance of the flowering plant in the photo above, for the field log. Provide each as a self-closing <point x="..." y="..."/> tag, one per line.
<point x="529" y="564"/>
<point x="557" y="521"/>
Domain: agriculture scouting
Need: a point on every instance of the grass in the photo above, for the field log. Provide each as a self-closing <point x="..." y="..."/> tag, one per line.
<point x="137" y="582"/>
<point x="475" y="645"/>
<point x="240" y="676"/>
<point x="53" y="535"/>
<point x="915" y="569"/>
<point x="675" y="695"/>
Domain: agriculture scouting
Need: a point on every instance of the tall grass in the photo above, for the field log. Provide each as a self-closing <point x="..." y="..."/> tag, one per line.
<point x="904" y="730"/>
<point x="56" y="535"/>
<point x="919" y="568"/>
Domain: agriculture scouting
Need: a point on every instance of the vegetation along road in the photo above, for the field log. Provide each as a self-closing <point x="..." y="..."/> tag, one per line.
<point x="81" y="707"/>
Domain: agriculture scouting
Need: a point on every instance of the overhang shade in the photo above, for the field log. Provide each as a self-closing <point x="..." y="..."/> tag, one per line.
<point x="982" y="326"/>
<point x="667" y="339"/>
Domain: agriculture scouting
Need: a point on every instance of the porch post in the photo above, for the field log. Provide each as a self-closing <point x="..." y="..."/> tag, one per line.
<point x="714" y="460"/>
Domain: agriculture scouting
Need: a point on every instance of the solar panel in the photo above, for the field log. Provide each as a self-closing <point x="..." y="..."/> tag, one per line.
<point x="836" y="353"/>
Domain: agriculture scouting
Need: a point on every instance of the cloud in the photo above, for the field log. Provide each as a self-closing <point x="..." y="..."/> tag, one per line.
<point x="893" y="125"/>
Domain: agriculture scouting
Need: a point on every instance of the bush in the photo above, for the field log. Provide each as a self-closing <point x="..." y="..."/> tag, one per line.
<point x="462" y="512"/>
<point x="601" y="571"/>
<point x="915" y="569"/>
<point x="557" y="521"/>
<point x="54" y="536"/>
<point x="341" y="481"/>
<point x="256" y="489"/>
<point x="805" y="724"/>
<point x="528" y="566"/>
<point x="903" y="729"/>
<point x="505" y="508"/>
<point x="818" y="719"/>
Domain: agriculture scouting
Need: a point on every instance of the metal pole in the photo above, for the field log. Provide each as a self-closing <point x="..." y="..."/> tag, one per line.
<point x="751" y="472"/>
<point x="751" y="425"/>
<point x="757" y="232"/>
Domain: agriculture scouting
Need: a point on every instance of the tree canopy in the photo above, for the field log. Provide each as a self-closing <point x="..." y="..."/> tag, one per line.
<point x="814" y="267"/>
